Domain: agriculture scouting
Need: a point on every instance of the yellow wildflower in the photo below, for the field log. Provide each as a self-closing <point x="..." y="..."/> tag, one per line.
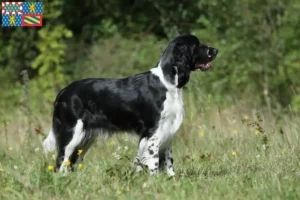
<point x="1" y="169"/>
<point x="201" y="134"/>
<point x="111" y="143"/>
<point x="256" y="132"/>
<point x="233" y="153"/>
<point x="119" y="192"/>
<point x="284" y="150"/>
<point x="235" y="132"/>
<point x="80" y="151"/>
<point x="50" y="167"/>
<point x="246" y="117"/>
<point x="80" y="166"/>
<point x="66" y="163"/>
<point x="10" y="148"/>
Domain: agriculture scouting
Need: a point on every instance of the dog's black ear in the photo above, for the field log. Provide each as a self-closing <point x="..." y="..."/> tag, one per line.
<point x="176" y="63"/>
<point x="182" y="65"/>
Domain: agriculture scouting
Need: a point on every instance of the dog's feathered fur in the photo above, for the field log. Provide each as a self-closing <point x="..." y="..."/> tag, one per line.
<point x="149" y="104"/>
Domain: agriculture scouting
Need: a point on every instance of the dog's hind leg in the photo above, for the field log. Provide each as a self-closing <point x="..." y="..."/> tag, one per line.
<point x="49" y="144"/>
<point x="141" y="148"/>
<point x="81" y="150"/>
<point x="71" y="148"/>
<point x="64" y="136"/>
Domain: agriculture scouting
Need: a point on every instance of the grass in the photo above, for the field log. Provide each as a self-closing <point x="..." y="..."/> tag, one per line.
<point x="217" y="154"/>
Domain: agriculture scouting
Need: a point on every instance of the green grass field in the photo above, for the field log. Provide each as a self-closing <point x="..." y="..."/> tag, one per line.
<point x="229" y="154"/>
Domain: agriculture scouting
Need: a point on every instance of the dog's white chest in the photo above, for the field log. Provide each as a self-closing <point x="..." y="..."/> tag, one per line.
<point x="171" y="116"/>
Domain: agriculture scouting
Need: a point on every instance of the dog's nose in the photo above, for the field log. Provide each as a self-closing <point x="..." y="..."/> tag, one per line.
<point x="215" y="51"/>
<point x="212" y="51"/>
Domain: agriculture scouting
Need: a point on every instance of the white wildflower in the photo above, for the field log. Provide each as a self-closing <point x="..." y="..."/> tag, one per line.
<point x="145" y="185"/>
<point x="115" y="155"/>
<point x="119" y="148"/>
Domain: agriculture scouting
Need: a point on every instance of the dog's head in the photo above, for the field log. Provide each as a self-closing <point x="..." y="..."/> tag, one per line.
<point x="184" y="55"/>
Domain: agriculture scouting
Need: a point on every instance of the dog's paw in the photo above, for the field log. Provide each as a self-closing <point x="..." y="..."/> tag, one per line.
<point x="138" y="168"/>
<point x="171" y="173"/>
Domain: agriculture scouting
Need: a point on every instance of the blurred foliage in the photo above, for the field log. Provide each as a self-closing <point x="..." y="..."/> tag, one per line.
<point x="258" y="44"/>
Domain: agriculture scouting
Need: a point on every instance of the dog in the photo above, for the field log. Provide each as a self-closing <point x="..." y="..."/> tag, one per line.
<point x="149" y="104"/>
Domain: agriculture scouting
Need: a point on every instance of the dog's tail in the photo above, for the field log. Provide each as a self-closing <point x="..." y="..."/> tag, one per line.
<point x="49" y="143"/>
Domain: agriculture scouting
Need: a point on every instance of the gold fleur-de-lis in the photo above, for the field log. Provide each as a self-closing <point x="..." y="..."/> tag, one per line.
<point x="12" y="20"/>
<point x="32" y="8"/>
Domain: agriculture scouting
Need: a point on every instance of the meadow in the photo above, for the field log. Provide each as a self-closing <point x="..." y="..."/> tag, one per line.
<point x="234" y="153"/>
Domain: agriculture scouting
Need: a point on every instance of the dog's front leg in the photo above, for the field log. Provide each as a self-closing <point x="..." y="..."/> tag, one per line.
<point x="169" y="161"/>
<point x="148" y="153"/>
<point x="153" y="154"/>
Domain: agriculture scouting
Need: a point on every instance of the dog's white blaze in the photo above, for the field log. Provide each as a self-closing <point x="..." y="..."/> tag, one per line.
<point x="77" y="139"/>
<point x="173" y="112"/>
<point x="49" y="143"/>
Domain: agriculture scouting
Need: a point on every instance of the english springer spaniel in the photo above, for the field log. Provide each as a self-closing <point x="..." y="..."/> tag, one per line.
<point x="149" y="104"/>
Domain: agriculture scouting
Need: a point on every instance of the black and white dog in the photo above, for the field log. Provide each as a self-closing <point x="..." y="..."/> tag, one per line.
<point x="149" y="104"/>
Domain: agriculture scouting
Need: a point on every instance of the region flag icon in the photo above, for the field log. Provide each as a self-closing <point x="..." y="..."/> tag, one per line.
<point x="12" y="8"/>
<point x="32" y="7"/>
<point x="32" y="20"/>
<point x="11" y="20"/>
<point x="22" y="13"/>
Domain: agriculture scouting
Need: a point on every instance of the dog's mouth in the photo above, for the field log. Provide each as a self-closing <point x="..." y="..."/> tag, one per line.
<point x="203" y="66"/>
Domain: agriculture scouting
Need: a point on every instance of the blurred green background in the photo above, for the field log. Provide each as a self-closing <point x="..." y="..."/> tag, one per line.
<point x="258" y="42"/>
